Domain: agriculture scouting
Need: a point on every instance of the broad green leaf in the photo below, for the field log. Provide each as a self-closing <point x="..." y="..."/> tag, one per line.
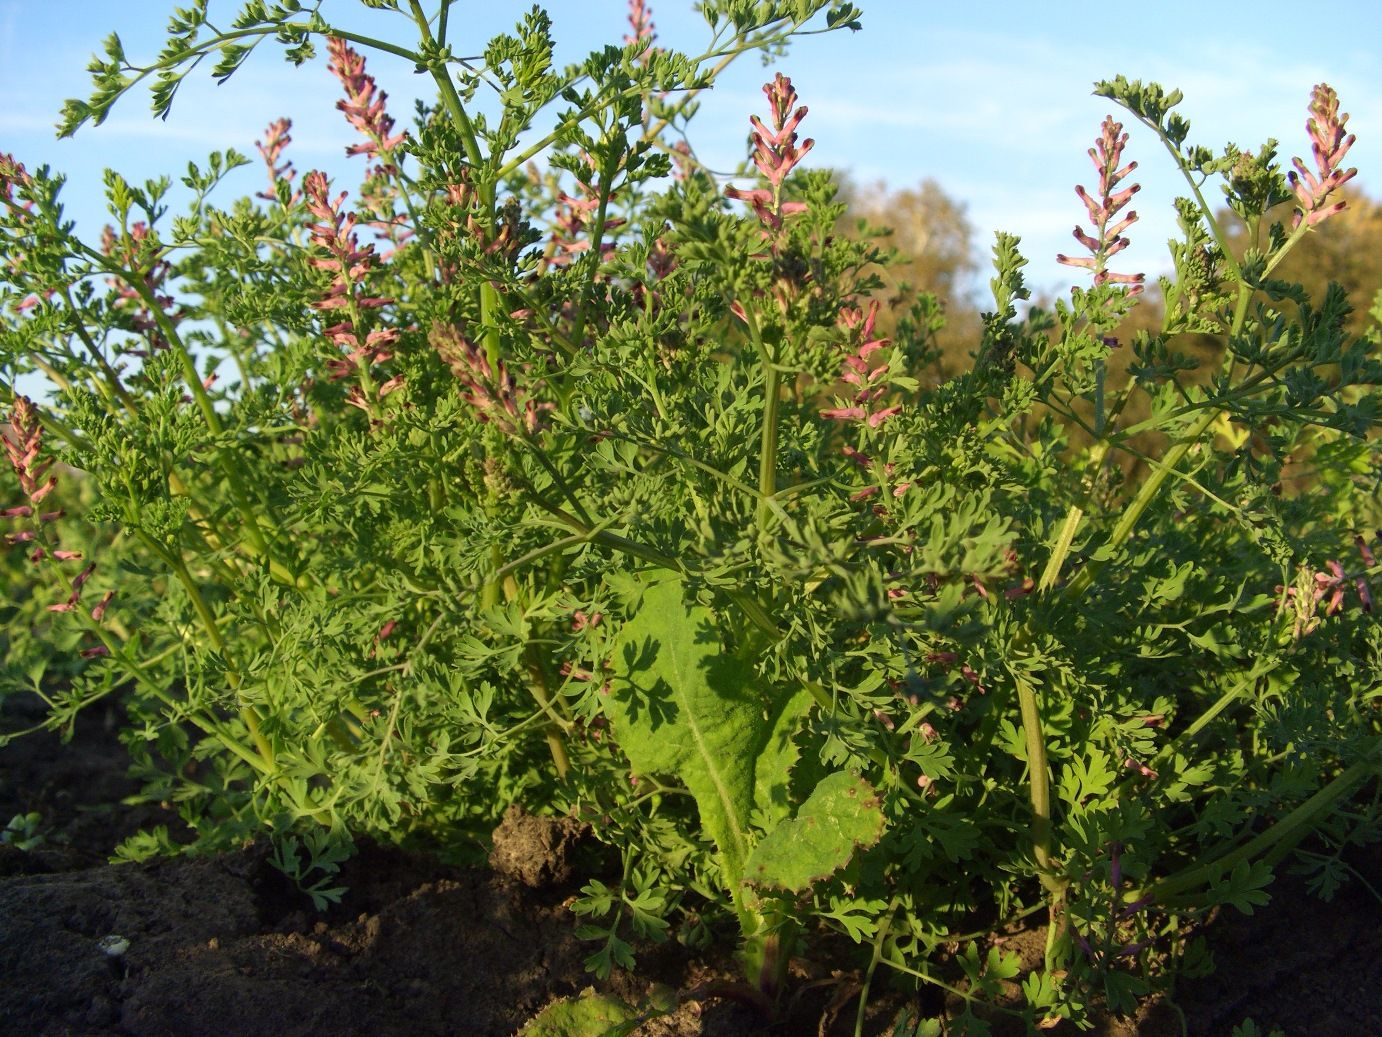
<point x="681" y="705"/>
<point x="843" y="813"/>
<point x="588" y="1015"/>
<point x="772" y="772"/>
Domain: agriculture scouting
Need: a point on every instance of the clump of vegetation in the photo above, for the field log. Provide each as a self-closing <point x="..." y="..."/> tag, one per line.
<point x="600" y="487"/>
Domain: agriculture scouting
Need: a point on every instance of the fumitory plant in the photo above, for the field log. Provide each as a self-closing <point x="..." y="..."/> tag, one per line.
<point x="550" y="467"/>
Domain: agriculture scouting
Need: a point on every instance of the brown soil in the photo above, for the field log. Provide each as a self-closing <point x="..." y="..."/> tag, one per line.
<point x="225" y="946"/>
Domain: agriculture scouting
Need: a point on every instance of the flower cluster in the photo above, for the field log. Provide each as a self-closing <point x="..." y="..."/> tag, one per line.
<point x="776" y="154"/>
<point x="569" y="227"/>
<point x="349" y="263"/>
<point x="271" y="148"/>
<point x="641" y="28"/>
<point x="1329" y="146"/>
<point x="12" y="175"/>
<point x="12" y="172"/>
<point x="141" y="253"/>
<point x="572" y="221"/>
<point x="870" y="382"/>
<point x="24" y="447"/>
<point x="1107" y="240"/>
<point x="364" y="106"/>
<point x="1327" y="586"/>
<point x="490" y="390"/>
<point x="23" y="451"/>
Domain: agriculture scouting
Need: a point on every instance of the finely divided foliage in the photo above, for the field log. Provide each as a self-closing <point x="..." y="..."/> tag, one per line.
<point x="549" y="468"/>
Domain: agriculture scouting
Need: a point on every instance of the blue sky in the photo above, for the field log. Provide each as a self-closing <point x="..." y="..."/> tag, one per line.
<point x="990" y="99"/>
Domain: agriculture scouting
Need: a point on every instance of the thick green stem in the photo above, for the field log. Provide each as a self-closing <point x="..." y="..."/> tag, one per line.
<point x="538" y="687"/>
<point x="1039" y="784"/>
<point x="1146" y="494"/>
<point x="767" y="455"/>
<point x="1293" y="826"/>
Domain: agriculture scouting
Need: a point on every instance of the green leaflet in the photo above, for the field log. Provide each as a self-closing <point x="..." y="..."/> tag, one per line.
<point x="843" y="813"/>
<point x="682" y="705"/>
<point x="587" y="1015"/>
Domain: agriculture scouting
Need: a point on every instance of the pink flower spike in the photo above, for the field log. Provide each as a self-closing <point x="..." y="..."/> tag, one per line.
<point x="1106" y="241"/>
<point x="96" y="652"/>
<point x="23" y="451"/>
<point x="641" y="26"/>
<point x="1328" y="146"/>
<point x="364" y="105"/>
<point x="271" y="148"/>
<point x="775" y="154"/>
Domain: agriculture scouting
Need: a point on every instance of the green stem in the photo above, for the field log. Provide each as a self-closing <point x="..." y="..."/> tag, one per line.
<point x="766" y="38"/>
<point x="251" y="717"/>
<point x="767" y="451"/>
<point x="1220" y="237"/>
<point x="1061" y="549"/>
<point x="231" y="472"/>
<point x="1222" y="703"/>
<point x="538" y="686"/>
<point x="1294" y="826"/>
<point x="157" y="687"/>
<point x="1039" y="784"/>
<point x="470" y="142"/>
<point x="111" y="384"/>
<point x="1146" y="494"/>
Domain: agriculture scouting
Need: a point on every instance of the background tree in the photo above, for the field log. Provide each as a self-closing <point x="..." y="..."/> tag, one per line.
<point x="936" y="257"/>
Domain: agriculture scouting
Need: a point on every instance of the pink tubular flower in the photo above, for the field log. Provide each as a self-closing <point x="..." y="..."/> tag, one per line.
<point x="364" y="105"/>
<point x="775" y="154"/>
<point x="870" y="382"/>
<point x="271" y="148"/>
<point x="350" y="264"/>
<point x="142" y="255"/>
<point x="641" y="26"/>
<point x="1107" y="241"/>
<point x="75" y="596"/>
<point x="23" y="451"/>
<point x="1329" y="146"/>
<point x="1361" y="582"/>
<point x="494" y="395"/>
<point x="99" y="612"/>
